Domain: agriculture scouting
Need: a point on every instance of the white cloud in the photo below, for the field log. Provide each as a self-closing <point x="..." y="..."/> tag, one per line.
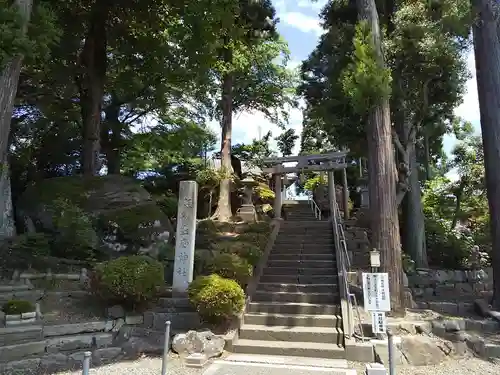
<point x="302" y="22"/>
<point x="248" y="126"/>
<point x="469" y="109"/>
<point x="309" y="4"/>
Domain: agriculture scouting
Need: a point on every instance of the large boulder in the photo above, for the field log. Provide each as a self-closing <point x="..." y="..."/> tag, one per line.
<point x="126" y="217"/>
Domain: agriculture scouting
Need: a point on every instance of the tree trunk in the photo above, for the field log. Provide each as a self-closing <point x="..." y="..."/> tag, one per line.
<point x="414" y="238"/>
<point x="90" y="80"/>
<point x="224" y="205"/>
<point x="427" y="153"/>
<point x="487" y="53"/>
<point x="382" y="175"/>
<point x="111" y="138"/>
<point x="9" y="79"/>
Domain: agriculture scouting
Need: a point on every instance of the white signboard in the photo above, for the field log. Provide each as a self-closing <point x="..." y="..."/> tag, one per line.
<point x="376" y="292"/>
<point x="379" y="322"/>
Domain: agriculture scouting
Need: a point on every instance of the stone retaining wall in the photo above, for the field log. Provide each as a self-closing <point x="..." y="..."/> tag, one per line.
<point x="358" y="248"/>
<point x="450" y="285"/>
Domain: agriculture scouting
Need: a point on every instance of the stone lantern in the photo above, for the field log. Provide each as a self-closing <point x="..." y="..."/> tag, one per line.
<point x="247" y="210"/>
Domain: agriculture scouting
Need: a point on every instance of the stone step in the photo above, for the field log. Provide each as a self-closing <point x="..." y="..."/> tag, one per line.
<point x="302" y="257"/>
<point x="329" y="271"/>
<point x="293" y="308"/>
<point x="286" y="297"/>
<point x="304" y="237"/>
<point x="176" y="304"/>
<point x="179" y="320"/>
<point x="299" y="364"/>
<point x="302" y="264"/>
<point x="55" y="345"/>
<point x="327" y="335"/>
<point x="290" y="348"/>
<point x="285" y="250"/>
<point x="293" y="320"/>
<point x="300" y="279"/>
<point x="297" y="288"/>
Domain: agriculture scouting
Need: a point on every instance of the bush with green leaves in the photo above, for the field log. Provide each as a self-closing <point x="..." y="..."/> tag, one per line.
<point x="17" y="307"/>
<point x="259" y="227"/>
<point x="231" y="266"/>
<point x="216" y="298"/>
<point x="168" y="204"/>
<point x="446" y="248"/>
<point x="37" y="244"/>
<point x="251" y="251"/>
<point x="131" y="281"/>
<point x="74" y="235"/>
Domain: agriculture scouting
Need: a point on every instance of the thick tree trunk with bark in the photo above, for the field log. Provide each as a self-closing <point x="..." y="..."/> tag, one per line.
<point x="382" y="175"/>
<point x="90" y="80"/>
<point x="414" y="229"/>
<point x="224" y="212"/>
<point x="9" y="78"/>
<point x="487" y="53"/>
<point x="111" y="138"/>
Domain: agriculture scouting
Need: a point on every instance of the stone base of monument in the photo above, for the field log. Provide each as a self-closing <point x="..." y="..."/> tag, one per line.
<point x="247" y="213"/>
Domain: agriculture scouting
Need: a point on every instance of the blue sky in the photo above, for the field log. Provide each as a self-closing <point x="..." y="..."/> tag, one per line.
<point x="300" y="26"/>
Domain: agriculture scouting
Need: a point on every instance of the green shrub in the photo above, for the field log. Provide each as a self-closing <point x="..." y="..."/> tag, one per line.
<point x="31" y="243"/>
<point x="216" y="298"/>
<point x="74" y="237"/>
<point x="231" y="266"/>
<point x="258" y="227"/>
<point x="251" y="251"/>
<point x="130" y="280"/>
<point x="168" y="204"/>
<point x="16" y="307"/>
<point x="446" y="249"/>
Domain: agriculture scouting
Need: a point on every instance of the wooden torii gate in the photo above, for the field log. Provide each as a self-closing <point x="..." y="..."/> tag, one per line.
<point x="328" y="162"/>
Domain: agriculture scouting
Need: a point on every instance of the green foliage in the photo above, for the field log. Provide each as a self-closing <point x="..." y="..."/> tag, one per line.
<point x="75" y="236"/>
<point x="365" y="82"/>
<point x="31" y="243"/>
<point x="259" y="227"/>
<point x="231" y="266"/>
<point x="313" y="182"/>
<point x="34" y="44"/>
<point x="168" y="203"/>
<point x="17" y="307"/>
<point x="286" y="141"/>
<point x="130" y="280"/>
<point x="246" y="246"/>
<point x="216" y="298"/>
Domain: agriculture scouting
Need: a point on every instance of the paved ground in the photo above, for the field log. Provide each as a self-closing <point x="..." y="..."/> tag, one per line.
<point x="232" y="368"/>
<point x="152" y="366"/>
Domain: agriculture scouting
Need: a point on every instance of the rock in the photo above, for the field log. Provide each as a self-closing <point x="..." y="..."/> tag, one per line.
<point x="422" y="351"/>
<point x="115" y="312"/>
<point x="454" y="325"/>
<point x="125" y="212"/>
<point x="204" y="342"/>
<point x="137" y="346"/>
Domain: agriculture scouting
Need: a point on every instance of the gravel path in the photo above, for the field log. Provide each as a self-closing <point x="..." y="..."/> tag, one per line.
<point x="468" y="365"/>
<point x="152" y="366"/>
<point x="143" y="366"/>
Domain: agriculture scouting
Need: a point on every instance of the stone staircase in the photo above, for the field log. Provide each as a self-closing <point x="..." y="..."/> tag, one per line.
<point x="296" y="308"/>
<point x="298" y="211"/>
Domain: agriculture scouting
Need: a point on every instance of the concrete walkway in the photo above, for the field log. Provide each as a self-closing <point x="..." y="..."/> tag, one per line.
<point x="243" y="364"/>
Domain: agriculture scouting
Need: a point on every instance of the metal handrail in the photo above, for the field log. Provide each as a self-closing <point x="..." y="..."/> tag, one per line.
<point x="314" y="206"/>
<point x="345" y="265"/>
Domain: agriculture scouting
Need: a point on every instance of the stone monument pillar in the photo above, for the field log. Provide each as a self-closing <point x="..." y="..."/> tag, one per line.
<point x="185" y="236"/>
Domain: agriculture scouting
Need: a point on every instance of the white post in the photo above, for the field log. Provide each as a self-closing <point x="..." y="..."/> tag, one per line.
<point x="185" y="236"/>
<point x="277" y="196"/>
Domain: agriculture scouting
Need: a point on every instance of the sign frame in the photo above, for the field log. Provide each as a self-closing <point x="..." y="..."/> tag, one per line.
<point x="376" y="294"/>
